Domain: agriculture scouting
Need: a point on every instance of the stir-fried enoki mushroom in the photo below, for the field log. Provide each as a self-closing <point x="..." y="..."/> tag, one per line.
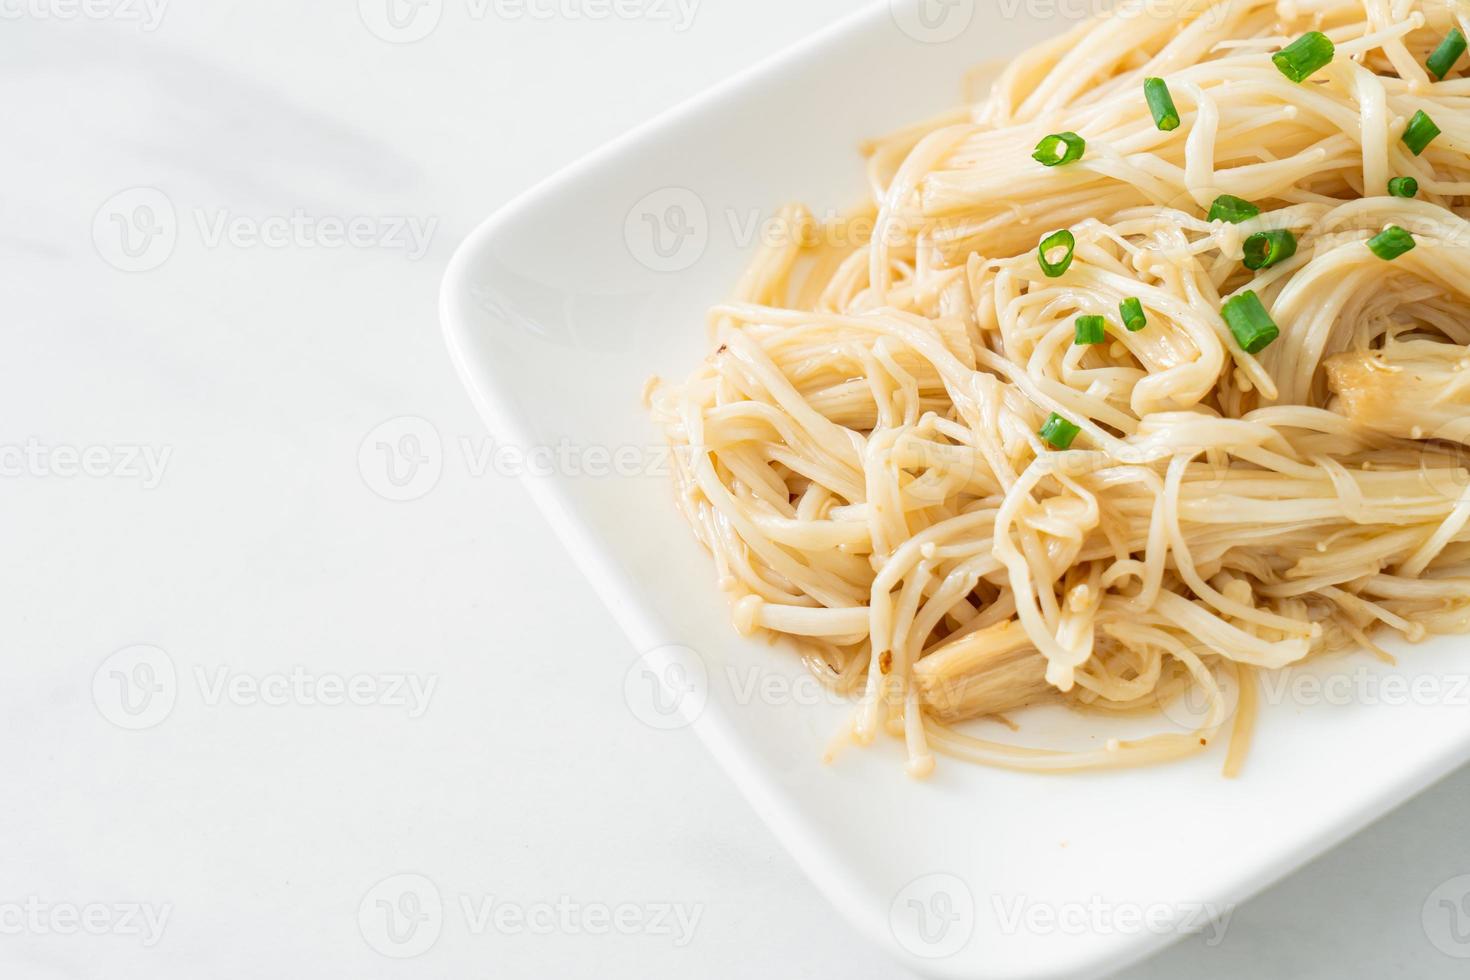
<point x="1415" y="389"/>
<point x="1142" y="375"/>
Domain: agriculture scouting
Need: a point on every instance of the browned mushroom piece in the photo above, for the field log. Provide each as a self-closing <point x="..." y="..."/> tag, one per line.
<point x="1417" y="389"/>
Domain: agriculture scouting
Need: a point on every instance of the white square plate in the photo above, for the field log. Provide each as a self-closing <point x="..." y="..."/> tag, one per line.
<point x="559" y="308"/>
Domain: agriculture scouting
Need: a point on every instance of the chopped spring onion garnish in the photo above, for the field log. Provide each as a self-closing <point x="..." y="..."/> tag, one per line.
<point x="1305" y="56"/>
<point x="1091" y="330"/>
<point x="1058" y="432"/>
<point x="1059" y="148"/>
<point x="1161" y="104"/>
<point x="1265" y="248"/>
<point x="1133" y="318"/>
<point x="1057" y="239"/>
<point x="1420" y="132"/>
<point x="1391" y="242"/>
<point x="1403" y="187"/>
<point x="1248" y="320"/>
<point x="1232" y="209"/>
<point x="1449" y="51"/>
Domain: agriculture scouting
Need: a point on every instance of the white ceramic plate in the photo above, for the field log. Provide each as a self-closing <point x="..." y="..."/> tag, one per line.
<point x="558" y="309"/>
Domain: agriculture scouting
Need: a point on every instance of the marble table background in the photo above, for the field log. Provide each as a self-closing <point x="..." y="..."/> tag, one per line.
<point x="222" y="229"/>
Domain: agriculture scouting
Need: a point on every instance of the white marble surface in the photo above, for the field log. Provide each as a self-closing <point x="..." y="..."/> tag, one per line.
<point x="182" y="452"/>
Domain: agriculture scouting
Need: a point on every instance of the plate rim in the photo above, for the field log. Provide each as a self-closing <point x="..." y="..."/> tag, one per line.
<point x="820" y="863"/>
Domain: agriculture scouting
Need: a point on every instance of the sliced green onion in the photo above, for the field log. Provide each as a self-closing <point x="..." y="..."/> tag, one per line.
<point x="1420" y="132"/>
<point x="1391" y="242"/>
<point x="1058" y="432"/>
<point x="1265" y="248"/>
<point x="1091" y="330"/>
<point x="1059" y="148"/>
<point x="1232" y="209"/>
<point x="1161" y="104"/>
<point x="1305" y="56"/>
<point x="1450" y="50"/>
<point x="1133" y="318"/>
<point x="1057" y="239"/>
<point x="1403" y="187"/>
<point x="1248" y="320"/>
